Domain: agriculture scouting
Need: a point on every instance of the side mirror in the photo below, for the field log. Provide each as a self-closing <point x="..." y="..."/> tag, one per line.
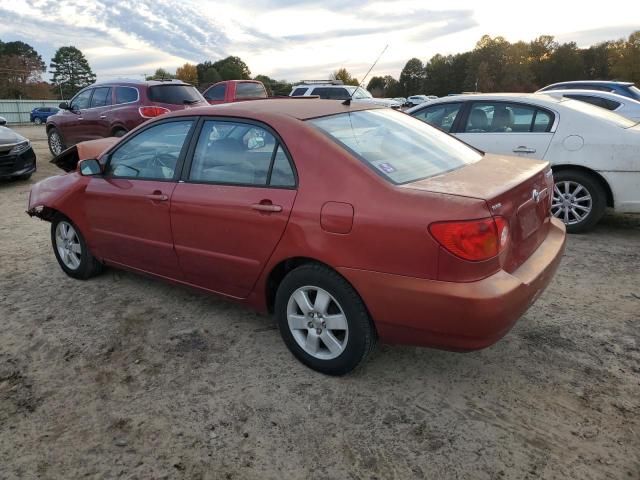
<point x="89" y="167"/>
<point x="3" y="121"/>
<point x="64" y="106"/>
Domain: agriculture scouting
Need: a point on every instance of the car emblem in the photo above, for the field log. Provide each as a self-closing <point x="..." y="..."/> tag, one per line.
<point x="535" y="195"/>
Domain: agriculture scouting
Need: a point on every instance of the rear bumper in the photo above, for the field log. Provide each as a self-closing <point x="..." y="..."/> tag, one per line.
<point x="457" y="316"/>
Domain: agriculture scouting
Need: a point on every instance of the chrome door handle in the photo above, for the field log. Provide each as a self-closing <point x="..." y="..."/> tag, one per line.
<point x="523" y="149"/>
<point x="80" y="118"/>
<point x="158" y="197"/>
<point x="103" y="117"/>
<point x="266" y="207"/>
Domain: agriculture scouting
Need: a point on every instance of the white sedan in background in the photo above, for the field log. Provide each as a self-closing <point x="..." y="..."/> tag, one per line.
<point x="419" y="99"/>
<point x="595" y="153"/>
<point x="625" y="106"/>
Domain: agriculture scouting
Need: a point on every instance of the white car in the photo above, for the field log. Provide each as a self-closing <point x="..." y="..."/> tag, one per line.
<point x="625" y="106"/>
<point x="594" y="152"/>
<point x="336" y="90"/>
<point x="420" y="99"/>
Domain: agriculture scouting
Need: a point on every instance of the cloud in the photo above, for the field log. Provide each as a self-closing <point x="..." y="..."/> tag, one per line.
<point x="586" y="38"/>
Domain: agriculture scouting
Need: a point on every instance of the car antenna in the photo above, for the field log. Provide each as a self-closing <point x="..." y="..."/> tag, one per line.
<point x="348" y="100"/>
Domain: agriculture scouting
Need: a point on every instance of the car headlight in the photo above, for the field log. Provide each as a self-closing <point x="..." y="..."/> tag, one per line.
<point x="20" y="147"/>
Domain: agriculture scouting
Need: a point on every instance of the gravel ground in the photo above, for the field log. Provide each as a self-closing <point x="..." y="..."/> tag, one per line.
<point x="126" y="377"/>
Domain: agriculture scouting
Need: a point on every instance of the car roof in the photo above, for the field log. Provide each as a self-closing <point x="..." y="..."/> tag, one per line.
<point x="137" y="83"/>
<point x="542" y="96"/>
<point x="300" y="108"/>
<point x="586" y="91"/>
<point x="592" y="82"/>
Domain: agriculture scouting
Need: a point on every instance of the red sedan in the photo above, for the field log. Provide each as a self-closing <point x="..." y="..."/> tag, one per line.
<point x="349" y="222"/>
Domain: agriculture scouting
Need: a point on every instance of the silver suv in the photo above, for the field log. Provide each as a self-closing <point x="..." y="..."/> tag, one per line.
<point x="336" y="90"/>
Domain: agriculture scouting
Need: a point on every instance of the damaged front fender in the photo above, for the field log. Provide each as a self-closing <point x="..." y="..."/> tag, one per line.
<point x="68" y="160"/>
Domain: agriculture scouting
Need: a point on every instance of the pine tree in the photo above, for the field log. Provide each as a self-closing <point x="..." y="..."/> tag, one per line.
<point x="71" y="71"/>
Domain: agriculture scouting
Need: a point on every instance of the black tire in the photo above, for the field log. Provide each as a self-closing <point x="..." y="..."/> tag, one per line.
<point x="26" y="176"/>
<point x="119" y="132"/>
<point x="51" y="133"/>
<point x="37" y="121"/>
<point x="89" y="266"/>
<point x="595" y="190"/>
<point x="361" y="333"/>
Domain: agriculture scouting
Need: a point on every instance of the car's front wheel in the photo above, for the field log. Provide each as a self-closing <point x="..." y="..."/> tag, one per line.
<point x="37" y="121"/>
<point x="578" y="200"/>
<point x="323" y="320"/>
<point x="56" y="144"/>
<point x="71" y="250"/>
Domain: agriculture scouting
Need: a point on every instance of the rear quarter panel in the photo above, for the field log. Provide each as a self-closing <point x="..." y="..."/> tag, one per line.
<point x="390" y="223"/>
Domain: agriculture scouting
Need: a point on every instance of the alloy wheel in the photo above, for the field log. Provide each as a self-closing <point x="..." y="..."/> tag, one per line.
<point x="317" y="322"/>
<point x="55" y="142"/>
<point x="68" y="245"/>
<point x="572" y="202"/>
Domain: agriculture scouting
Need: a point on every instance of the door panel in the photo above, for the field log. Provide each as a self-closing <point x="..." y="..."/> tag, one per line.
<point x="130" y="223"/>
<point x="529" y="145"/>
<point x="225" y="234"/>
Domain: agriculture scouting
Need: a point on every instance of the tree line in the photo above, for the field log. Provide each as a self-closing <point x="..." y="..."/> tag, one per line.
<point x="496" y="65"/>
<point x="493" y="65"/>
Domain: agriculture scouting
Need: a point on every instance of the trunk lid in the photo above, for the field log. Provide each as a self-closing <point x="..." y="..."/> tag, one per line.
<point x="520" y="190"/>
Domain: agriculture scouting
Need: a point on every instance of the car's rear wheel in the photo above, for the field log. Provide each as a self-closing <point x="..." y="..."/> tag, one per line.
<point x="323" y="320"/>
<point x="37" y="121"/>
<point x="71" y="250"/>
<point x="56" y="143"/>
<point x="578" y="200"/>
<point x="119" y="132"/>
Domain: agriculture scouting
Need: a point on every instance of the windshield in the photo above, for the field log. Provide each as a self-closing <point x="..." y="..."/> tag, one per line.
<point x="601" y="113"/>
<point x="359" y="93"/>
<point x="398" y="147"/>
<point x="175" y="94"/>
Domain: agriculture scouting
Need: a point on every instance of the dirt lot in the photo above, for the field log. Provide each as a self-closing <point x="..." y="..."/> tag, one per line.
<point x="126" y="377"/>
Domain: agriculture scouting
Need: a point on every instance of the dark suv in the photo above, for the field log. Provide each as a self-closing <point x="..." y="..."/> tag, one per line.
<point x="111" y="109"/>
<point x="626" y="89"/>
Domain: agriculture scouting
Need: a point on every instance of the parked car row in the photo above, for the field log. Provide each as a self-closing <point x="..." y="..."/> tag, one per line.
<point x="336" y="90"/>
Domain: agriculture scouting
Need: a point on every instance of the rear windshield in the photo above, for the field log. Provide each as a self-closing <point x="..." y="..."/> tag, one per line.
<point x="398" y="147"/>
<point x="174" y="94"/>
<point x="250" y="90"/>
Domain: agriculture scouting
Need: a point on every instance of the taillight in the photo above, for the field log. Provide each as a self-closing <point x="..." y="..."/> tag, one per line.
<point x="150" y="112"/>
<point x="473" y="240"/>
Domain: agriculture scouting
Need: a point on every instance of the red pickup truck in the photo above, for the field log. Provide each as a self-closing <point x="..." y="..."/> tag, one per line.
<point x="234" y="91"/>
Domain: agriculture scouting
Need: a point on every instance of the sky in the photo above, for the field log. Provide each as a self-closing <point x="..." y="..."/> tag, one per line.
<point x="294" y="39"/>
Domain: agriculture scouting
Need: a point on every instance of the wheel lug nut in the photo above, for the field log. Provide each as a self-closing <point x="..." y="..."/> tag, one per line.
<point x="318" y="331"/>
<point x="324" y="324"/>
<point x="310" y="325"/>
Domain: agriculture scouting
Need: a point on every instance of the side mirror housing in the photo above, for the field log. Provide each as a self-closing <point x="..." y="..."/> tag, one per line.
<point x="3" y="121"/>
<point x="64" y="106"/>
<point x="89" y="167"/>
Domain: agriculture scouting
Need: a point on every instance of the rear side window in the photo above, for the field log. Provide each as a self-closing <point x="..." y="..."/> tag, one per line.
<point x="597" y="101"/>
<point x="299" y="92"/>
<point x="126" y="95"/>
<point x="216" y="92"/>
<point x="174" y="94"/>
<point x="331" y="93"/>
<point x="237" y="153"/>
<point x="503" y="117"/>
<point x="250" y="90"/>
<point x="101" y="97"/>
<point x="441" y="116"/>
<point x="398" y="147"/>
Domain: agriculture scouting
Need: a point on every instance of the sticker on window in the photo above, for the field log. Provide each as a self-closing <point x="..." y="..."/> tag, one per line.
<point x="386" y="167"/>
